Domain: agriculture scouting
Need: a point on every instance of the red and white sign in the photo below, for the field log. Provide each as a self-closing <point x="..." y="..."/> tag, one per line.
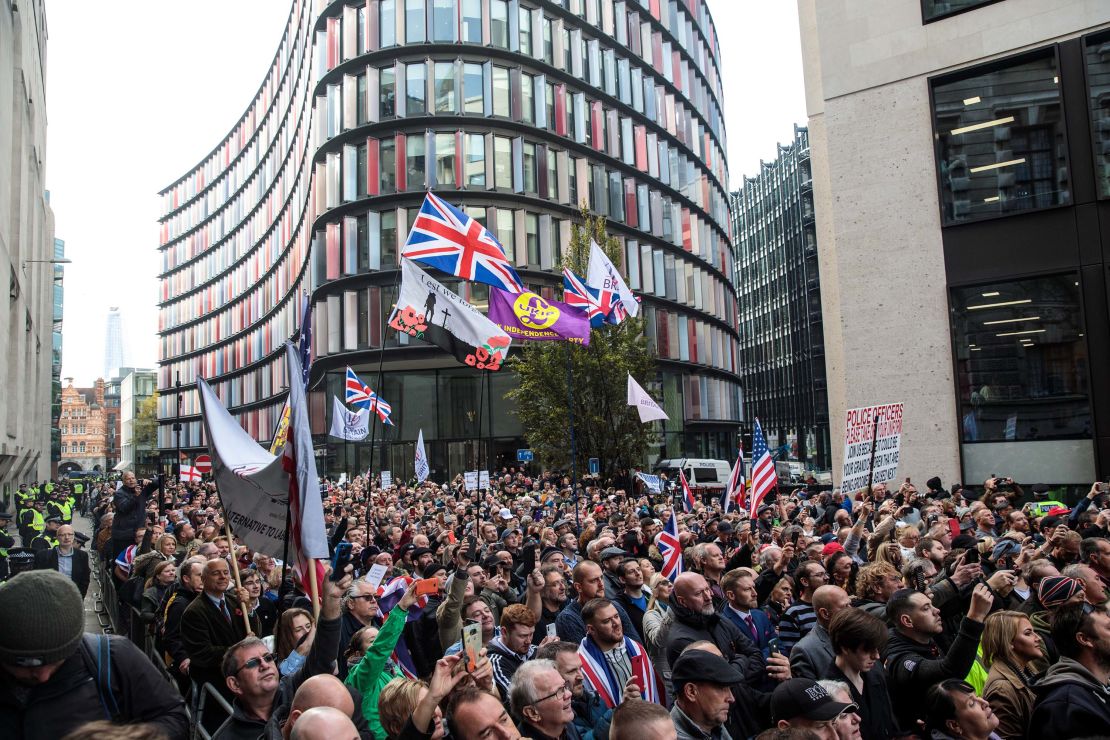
<point x="204" y="464"/>
<point x="877" y="428"/>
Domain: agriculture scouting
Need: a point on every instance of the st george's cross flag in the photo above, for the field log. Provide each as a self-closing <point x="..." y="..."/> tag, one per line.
<point x="737" y="484"/>
<point x="764" y="477"/>
<point x="645" y="405"/>
<point x="430" y="311"/>
<point x="447" y="239"/>
<point x="670" y="549"/>
<point x="189" y="473"/>
<point x="603" y="275"/>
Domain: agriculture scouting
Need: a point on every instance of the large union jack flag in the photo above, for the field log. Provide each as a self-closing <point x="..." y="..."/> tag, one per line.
<point x="383" y="409"/>
<point x="359" y="394"/>
<point x="447" y="239"/>
<point x="600" y="305"/>
<point x="764" y="477"/>
<point x="670" y="549"/>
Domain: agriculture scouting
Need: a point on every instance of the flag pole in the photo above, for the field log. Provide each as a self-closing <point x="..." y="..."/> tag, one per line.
<point x="315" y="586"/>
<point x="489" y="441"/>
<point x="481" y="409"/>
<point x="874" y="446"/>
<point x="573" y="442"/>
<point x="373" y="435"/>
<point x="235" y="571"/>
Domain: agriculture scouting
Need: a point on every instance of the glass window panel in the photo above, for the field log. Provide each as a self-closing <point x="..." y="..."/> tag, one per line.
<point x="1000" y="139"/>
<point x="552" y="175"/>
<point x="499" y="23"/>
<point x="387" y="155"/>
<point x="360" y="100"/>
<point x="389" y="239"/>
<point x="414" y="161"/>
<point x="472" y="21"/>
<point x="548" y="47"/>
<point x="501" y="91"/>
<point x="387" y="92"/>
<point x="529" y="164"/>
<point x="502" y="162"/>
<point x="659" y="272"/>
<point x="931" y="10"/>
<point x="1021" y="361"/>
<point x="445" y="160"/>
<point x="444" y="23"/>
<point x="1098" y="81"/>
<point x="527" y="101"/>
<point x="416" y="86"/>
<point x="475" y="160"/>
<point x="445" y="87"/>
<point x="532" y="239"/>
<point x="414" y="21"/>
<point x="505" y="231"/>
<point x="387" y="22"/>
<point x="525" y="31"/>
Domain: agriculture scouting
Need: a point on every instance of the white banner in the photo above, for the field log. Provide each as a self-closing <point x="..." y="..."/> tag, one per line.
<point x="873" y="427"/>
<point x="653" y="482"/>
<point x="351" y="426"/>
<point x="387" y="479"/>
<point x="421" y="466"/>
<point x="470" y="478"/>
<point x="483" y="479"/>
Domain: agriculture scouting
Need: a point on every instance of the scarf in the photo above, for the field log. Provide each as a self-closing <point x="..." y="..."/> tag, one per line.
<point x="598" y="674"/>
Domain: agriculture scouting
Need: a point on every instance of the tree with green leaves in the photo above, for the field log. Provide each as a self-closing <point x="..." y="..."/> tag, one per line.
<point x="146" y="426"/>
<point x="605" y="426"/>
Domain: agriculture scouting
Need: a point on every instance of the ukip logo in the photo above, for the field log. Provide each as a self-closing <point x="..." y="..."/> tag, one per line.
<point x="534" y="312"/>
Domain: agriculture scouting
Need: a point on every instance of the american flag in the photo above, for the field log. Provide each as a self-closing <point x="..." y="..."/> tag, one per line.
<point x="600" y="305"/>
<point x="670" y="549"/>
<point x="358" y="393"/>
<point x="737" y="483"/>
<point x="687" y="494"/>
<point x="447" y="239"/>
<point x="764" y="478"/>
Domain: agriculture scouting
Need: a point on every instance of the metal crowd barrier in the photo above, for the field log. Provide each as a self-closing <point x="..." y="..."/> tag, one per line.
<point x="198" y="722"/>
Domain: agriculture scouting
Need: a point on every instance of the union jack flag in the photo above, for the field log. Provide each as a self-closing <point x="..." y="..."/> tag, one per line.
<point x="764" y="477"/>
<point x="670" y="549"/>
<point x="383" y="408"/>
<point x="358" y="393"/>
<point x="600" y="305"/>
<point x="447" y="239"/>
<point x="687" y="494"/>
<point x="737" y="483"/>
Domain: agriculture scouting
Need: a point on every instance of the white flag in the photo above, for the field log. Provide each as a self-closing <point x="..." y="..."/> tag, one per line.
<point x="602" y="274"/>
<point x="648" y="409"/>
<point x="421" y="459"/>
<point x="189" y="473"/>
<point x="352" y="426"/>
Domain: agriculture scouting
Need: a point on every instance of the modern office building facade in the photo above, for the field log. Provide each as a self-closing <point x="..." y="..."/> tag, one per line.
<point x="778" y="288"/>
<point x="114" y="339"/>
<point x="26" y="246"/>
<point x="960" y="162"/>
<point x="517" y="112"/>
<point x="57" y="315"/>
<point x="136" y="453"/>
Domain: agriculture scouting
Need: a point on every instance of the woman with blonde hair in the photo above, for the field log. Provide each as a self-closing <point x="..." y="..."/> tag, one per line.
<point x="160" y="581"/>
<point x="1009" y="645"/>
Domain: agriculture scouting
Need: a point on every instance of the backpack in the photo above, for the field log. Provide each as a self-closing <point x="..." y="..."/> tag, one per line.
<point x="96" y="652"/>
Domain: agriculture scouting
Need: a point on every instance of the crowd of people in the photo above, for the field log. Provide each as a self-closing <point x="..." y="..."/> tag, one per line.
<point x="526" y="611"/>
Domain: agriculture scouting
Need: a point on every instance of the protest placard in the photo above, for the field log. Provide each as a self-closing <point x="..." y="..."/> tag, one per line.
<point x="471" y="480"/>
<point x="877" y="428"/>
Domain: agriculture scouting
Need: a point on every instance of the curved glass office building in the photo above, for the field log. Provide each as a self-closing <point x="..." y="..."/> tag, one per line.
<point x="516" y="111"/>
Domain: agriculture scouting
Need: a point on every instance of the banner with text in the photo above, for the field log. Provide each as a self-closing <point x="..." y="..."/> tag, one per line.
<point x="877" y="428"/>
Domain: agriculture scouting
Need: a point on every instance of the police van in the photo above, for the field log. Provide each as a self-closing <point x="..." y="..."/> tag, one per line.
<point x="699" y="472"/>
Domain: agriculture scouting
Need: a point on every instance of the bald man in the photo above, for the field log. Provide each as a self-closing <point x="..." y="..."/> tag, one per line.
<point x="323" y="690"/>
<point x="68" y="560"/>
<point x="323" y="723"/>
<point x="813" y="655"/>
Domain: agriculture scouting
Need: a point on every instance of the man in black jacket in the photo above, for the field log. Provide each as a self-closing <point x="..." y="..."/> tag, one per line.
<point x="695" y="620"/>
<point x="1072" y="699"/>
<point x="54" y="678"/>
<point x="190" y="582"/>
<point x="130" y="504"/>
<point x="914" y="662"/>
<point x="66" y="559"/>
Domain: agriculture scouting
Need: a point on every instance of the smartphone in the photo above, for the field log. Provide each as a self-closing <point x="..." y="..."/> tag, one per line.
<point x="794" y="539"/>
<point x="1103" y="487"/>
<point x="472" y="644"/>
<point x="971" y="555"/>
<point x="551" y="630"/>
<point x="339" y="561"/>
<point x="773" y="645"/>
<point x="427" y="587"/>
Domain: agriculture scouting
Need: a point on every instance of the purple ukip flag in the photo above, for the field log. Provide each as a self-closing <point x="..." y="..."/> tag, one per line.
<point x="529" y="316"/>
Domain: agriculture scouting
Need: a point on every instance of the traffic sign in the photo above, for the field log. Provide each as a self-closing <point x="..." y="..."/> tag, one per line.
<point x="204" y="464"/>
<point x="524" y="456"/>
<point x="595" y="466"/>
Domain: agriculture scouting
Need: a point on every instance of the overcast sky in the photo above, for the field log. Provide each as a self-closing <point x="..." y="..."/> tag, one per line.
<point x="139" y="91"/>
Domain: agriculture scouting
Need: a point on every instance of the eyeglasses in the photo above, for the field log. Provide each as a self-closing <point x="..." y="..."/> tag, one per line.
<point x="564" y="689"/>
<point x="365" y="597"/>
<point x="257" y="662"/>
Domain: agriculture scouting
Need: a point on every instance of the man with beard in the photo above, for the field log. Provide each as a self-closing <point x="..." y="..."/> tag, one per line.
<point x="588" y="582"/>
<point x="552" y="599"/>
<point x="695" y="619"/>
<point x="613" y="664"/>
<point x="1071" y="698"/>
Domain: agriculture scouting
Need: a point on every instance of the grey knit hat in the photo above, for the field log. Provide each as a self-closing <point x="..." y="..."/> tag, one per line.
<point x="43" y="619"/>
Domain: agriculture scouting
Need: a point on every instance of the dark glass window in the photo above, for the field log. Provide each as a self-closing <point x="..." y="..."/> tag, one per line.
<point x="387" y="158"/>
<point x="1021" y="361"/>
<point x="532" y="239"/>
<point x="414" y="164"/>
<point x="389" y="240"/>
<point x="445" y="160"/>
<point x="387" y="92"/>
<point x="1098" y="79"/>
<point x="527" y="101"/>
<point x="360" y="100"/>
<point x="415" y="89"/>
<point x="525" y="34"/>
<point x="529" y="167"/>
<point x="502" y="162"/>
<point x="475" y="160"/>
<point x="932" y="10"/>
<point x="1000" y="139"/>
<point x="499" y="23"/>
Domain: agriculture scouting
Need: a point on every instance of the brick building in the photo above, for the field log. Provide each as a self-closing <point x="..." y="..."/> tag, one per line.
<point x="84" y="428"/>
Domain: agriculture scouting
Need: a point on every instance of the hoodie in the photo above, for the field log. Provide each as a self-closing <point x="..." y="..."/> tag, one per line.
<point x="505" y="662"/>
<point x="1070" y="703"/>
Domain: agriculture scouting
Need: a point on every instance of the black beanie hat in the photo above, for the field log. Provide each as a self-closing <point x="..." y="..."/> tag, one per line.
<point x="43" y="618"/>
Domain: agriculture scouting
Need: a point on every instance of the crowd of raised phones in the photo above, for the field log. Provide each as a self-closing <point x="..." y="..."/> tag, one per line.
<point x="947" y="612"/>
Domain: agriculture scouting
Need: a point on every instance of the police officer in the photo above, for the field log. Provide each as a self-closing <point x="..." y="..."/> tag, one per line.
<point x="60" y="507"/>
<point x="48" y="538"/>
<point x="6" y="541"/>
<point x="31" y="522"/>
<point x="23" y="499"/>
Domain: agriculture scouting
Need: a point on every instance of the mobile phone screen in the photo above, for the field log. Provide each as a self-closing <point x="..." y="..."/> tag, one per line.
<point x="472" y="644"/>
<point x="551" y="630"/>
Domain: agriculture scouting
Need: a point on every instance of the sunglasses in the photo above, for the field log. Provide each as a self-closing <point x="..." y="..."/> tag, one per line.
<point x="365" y="597"/>
<point x="254" y="663"/>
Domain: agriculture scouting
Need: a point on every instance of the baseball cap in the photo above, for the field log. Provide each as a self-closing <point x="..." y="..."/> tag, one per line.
<point x="700" y="666"/>
<point x="505" y="514"/>
<point x="807" y="699"/>
<point x="612" y="552"/>
<point x="725" y="527"/>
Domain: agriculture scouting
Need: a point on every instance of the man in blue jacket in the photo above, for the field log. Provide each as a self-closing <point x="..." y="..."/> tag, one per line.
<point x="1072" y="698"/>
<point x="743" y="609"/>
